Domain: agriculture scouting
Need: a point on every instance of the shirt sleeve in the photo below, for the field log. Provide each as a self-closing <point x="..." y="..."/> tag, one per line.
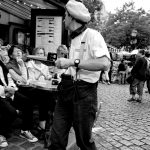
<point x="49" y="76"/>
<point x="2" y="91"/>
<point x="98" y="45"/>
<point x="10" y="81"/>
<point x="31" y="73"/>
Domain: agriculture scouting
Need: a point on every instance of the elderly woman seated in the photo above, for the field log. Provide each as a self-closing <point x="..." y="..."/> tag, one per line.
<point x="37" y="70"/>
<point x="11" y="103"/>
<point x="19" y="72"/>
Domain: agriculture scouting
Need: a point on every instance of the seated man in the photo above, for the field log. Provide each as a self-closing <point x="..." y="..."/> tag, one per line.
<point x="11" y="103"/>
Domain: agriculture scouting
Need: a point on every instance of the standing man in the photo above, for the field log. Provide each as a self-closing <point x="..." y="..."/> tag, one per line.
<point x="88" y="55"/>
<point x="139" y="74"/>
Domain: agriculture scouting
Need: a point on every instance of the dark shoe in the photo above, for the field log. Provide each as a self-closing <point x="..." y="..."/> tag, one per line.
<point x="108" y="83"/>
<point x="139" y="100"/>
<point x="131" y="99"/>
<point x="41" y="133"/>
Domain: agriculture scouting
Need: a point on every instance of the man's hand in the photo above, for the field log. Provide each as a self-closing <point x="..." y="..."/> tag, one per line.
<point x="63" y="63"/>
<point x="9" y="91"/>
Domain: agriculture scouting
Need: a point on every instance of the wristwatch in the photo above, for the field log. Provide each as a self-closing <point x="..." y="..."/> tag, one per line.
<point x="76" y="62"/>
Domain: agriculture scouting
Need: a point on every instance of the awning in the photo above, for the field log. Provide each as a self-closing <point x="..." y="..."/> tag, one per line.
<point x="22" y="8"/>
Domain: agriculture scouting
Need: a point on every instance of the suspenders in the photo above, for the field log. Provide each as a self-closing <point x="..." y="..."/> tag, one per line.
<point x="82" y="46"/>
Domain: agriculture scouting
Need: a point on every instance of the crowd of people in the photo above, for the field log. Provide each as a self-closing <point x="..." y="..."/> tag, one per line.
<point x="79" y="69"/>
<point x="18" y="100"/>
<point x="116" y="73"/>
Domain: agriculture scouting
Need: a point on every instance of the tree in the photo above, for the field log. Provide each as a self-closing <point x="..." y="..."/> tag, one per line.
<point x="98" y="14"/>
<point x="117" y="31"/>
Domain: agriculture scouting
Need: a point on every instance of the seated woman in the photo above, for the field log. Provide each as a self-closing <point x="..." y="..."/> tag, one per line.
<point x="37" y="70"/>
<point x="62" y="52"/>
<point x="11" y="103"/>
<point x="18" y="70"/>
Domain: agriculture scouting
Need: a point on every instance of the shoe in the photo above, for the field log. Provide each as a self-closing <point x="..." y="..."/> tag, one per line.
<point x="3" y="142"/>
<point x="41" y="133"/>
<point x="108" y="83"/>
<point x="104" y="82"/>
<point x="40" y="128"/>
<point x="131" y="99"/>
<point x="139" y="100"/>
<point x="28" y="136"/>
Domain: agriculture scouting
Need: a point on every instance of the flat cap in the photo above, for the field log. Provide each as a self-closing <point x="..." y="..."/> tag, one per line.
<point x="78" y="11"/>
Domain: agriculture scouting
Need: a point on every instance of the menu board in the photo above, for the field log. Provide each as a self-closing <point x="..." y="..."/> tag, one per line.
<point x="48" y="32"/>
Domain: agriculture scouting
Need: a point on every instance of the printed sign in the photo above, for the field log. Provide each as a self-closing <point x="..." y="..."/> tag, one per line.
<point x="48" y="32"/>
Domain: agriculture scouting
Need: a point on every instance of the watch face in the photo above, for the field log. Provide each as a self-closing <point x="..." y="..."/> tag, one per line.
<point x="77" y="61"/>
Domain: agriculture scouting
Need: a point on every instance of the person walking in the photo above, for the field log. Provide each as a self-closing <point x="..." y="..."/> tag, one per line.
<point x="122" y="72"/>
<point x="139" y="76"/>
<point x="77" y="103"/>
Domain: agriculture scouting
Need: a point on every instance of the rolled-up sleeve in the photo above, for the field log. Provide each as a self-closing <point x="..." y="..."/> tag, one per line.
<point x="98" y="45"/>
<point x="2" y="91"/>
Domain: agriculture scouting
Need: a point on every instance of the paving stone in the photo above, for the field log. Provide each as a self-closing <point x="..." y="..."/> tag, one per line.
<point x="125" y="148"/>
<point x="137" y="137"/>
<point x="117" y="138"/>
<point x="15" y="140"/>
<point x="116" y="144"/>
<point x="126" y="137"/>
<point x="146" y="147"/>
<point x="125" y="142"/>
<point x="146" y="141"/>
<point x="14" y="147"/>
<point x="27" y="145"/>
<point x="137" y="142"/>
<point x="39" y="148"/>
<point x="136" y="148"/>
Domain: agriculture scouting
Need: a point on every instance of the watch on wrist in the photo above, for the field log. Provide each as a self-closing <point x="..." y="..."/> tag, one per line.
<point x="76" y="62"/>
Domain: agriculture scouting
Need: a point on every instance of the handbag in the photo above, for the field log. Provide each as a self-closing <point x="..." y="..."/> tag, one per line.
<point x="130" y="79"/>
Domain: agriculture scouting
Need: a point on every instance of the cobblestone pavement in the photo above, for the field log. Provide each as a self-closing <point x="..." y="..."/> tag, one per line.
<point x="121" y="125"/>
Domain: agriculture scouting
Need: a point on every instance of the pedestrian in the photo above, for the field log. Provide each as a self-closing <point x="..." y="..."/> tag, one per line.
<point x="147" y="54"/>
<point x="139" y="76"/>
<point x="77" y="101"/>
<point x="111" y="68"/>
<point x="122" y="72"/>
<point x="104" y="77"/>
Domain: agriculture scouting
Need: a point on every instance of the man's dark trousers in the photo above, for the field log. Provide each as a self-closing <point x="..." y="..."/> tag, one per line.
<point x="79" y="113"/>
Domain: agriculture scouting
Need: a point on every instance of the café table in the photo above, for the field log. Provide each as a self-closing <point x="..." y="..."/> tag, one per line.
<point x="44" y="85"/>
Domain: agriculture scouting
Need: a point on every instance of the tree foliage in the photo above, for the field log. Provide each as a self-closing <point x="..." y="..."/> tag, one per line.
<point x="117" y="31"/>
<point x="98" y="13"/>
